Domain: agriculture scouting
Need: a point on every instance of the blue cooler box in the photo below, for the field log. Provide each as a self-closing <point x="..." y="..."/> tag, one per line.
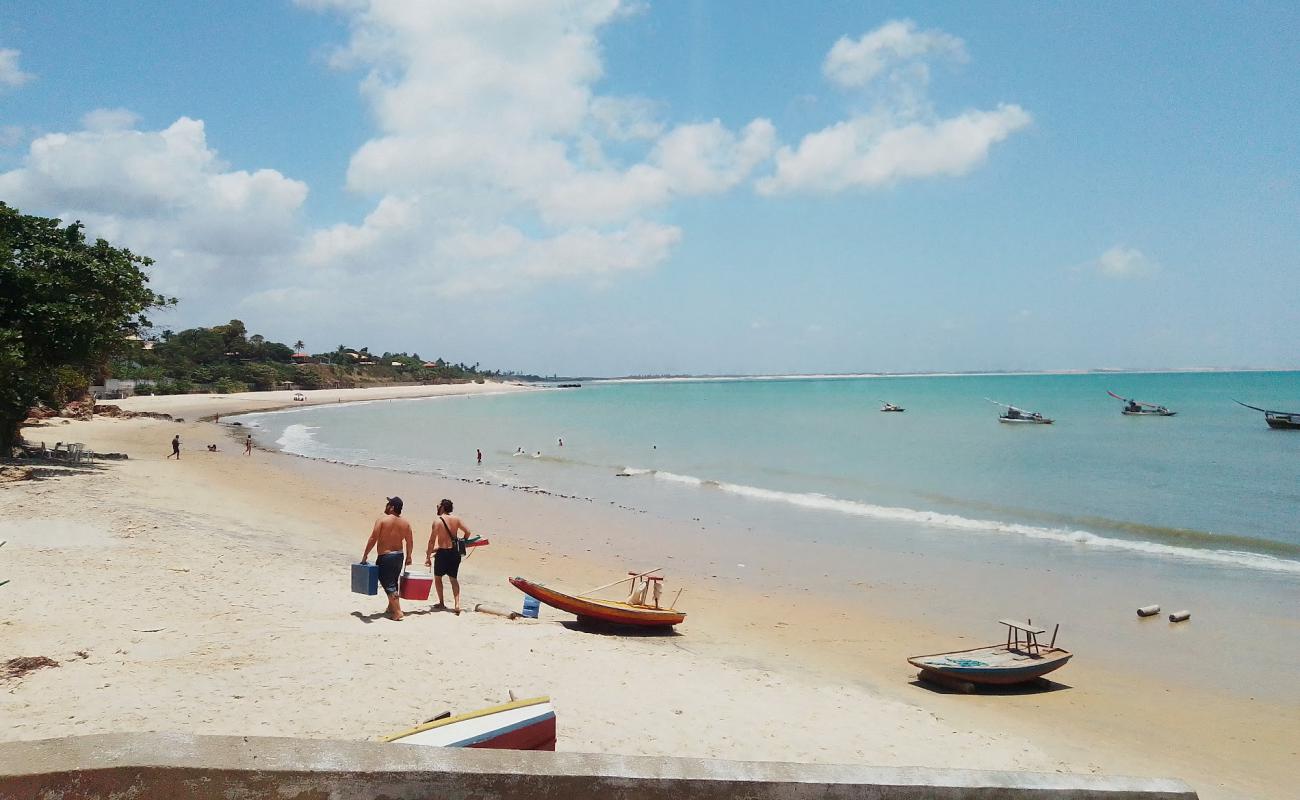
<point x="531" y="606"/>
<point x="365" y="578"/>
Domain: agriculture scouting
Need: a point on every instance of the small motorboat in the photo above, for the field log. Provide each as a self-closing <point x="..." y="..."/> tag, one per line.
<point x="891" y="407"/>
<point x="1015" y="415"/>
<point x="1017" y="660"/>
<point x="1280" y="420"/>
<point x="1136" y="408"/>
<point x="635" y="611"/>
<point x="517" y="725"/>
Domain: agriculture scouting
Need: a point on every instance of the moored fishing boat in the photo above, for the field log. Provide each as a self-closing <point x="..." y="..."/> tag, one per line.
<point x="1136" y="408"/>
<point x="1020" y="416"/>
<point x="891" y="407"/>
<point x="635" y="612"/>
<point x="1280" y="420"/>
<point x="517" y="725"/>
<point x="1019" y="659"/>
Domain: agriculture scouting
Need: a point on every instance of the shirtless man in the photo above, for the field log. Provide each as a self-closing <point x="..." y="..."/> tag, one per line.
<point x="442" y="552"/>
<point x="391" y="532"/>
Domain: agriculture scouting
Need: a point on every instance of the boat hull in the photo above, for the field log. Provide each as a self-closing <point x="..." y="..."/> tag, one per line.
<point x="1148" y="413"/>
<point x="609" y="611"/>
<point x="992" y="666"/>
<point x="1010" y="421"/>
<point x="1288" y="422"/>
<point x="518" y="725"/>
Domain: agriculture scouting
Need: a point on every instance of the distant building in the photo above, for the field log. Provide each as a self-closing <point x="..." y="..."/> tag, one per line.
<point x="300" y="358"/>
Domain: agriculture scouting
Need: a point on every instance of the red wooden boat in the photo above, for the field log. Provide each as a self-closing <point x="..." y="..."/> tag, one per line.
<point x="592" y="608"/>
<point x="517" y="725"/>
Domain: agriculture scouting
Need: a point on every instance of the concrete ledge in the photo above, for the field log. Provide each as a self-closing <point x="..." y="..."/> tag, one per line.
<point x="150" y="765"/>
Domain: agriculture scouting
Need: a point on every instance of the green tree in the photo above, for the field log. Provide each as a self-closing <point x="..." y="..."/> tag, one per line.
<point x="63" y="303"/>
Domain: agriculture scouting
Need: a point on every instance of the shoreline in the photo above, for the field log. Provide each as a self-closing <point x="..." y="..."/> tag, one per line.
<point x="825" y="654"/>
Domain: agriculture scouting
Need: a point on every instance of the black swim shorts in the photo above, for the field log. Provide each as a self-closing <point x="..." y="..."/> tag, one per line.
<point x="446" y="562"/>
<point x="390" y="570"/>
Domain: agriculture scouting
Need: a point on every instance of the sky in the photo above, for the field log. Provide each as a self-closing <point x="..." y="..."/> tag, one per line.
<point x="612" y="187"/>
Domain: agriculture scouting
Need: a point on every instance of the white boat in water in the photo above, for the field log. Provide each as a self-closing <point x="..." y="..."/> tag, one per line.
<point x="1136" y="408"/>
<point x="1019" y="416"/>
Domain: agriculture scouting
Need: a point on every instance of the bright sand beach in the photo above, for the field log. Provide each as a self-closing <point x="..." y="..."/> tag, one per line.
<point x="210" y="595"/>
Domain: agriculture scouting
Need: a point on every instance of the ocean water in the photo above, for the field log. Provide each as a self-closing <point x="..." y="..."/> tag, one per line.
<point x="1211" y="488"/>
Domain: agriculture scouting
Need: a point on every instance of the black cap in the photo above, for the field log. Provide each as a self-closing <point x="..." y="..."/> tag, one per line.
<point x="396" y="503"/>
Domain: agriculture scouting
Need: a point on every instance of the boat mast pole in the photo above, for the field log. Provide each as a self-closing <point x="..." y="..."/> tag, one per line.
<point x="617" y="582"/>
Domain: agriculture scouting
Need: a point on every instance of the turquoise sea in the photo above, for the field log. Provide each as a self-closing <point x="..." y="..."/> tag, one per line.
<point x="1212" y="485"/>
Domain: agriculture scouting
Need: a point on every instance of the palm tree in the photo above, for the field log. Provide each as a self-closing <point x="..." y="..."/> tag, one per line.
<point x="298" y="346"/>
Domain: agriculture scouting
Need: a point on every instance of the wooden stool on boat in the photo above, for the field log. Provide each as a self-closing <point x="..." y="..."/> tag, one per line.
<point x="1031" y="645"/>
<point x="658" y="583"/>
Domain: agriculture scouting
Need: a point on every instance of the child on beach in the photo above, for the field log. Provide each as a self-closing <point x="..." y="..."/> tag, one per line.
<point x="248" y="445"/>
<point x="176" y="447"/>
<point x="444" y="552"/>
<point x="389" y="537"/>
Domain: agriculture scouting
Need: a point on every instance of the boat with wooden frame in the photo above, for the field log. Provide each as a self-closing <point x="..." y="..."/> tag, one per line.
<point x="1014" y="415"/>
<point x="634" y="611"/>
<point x="517" y="725"/>
<point x="1280" y="420"/>
<point x="1019" y="659"/>
<point x="1136" y="408"/>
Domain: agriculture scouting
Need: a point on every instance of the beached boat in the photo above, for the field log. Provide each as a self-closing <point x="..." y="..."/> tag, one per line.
<point x="1136" y="408"/>
<point x="517" y="725"/>
<point x="891" y="407"/>
<point x="599" y="610"/>
<point x="1017" y="660"/>
<point x="1014" y="415"/>
<point x="1281" y="420"/>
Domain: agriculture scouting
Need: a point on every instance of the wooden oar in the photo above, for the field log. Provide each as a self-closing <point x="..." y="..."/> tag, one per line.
<point x="617" y="582"/>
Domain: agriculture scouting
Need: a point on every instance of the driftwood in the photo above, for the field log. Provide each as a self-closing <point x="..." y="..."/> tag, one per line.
<point x="495" y="610"/>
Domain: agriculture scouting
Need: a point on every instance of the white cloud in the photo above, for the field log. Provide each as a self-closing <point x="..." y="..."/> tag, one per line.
<point x="900" y="137"/>
<point x="163" y="193"/>
<point x="1122" y="263"/>
<point x="869" y="152"/>
<point x="492" y="139"/>
<point x="11" y="74"/>
<point x="854" y="63"/>
<point x="109" y="119"/>
<point x="625" y="119"/>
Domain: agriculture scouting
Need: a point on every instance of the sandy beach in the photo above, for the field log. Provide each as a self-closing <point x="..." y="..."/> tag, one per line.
<point x="210" y="595"/>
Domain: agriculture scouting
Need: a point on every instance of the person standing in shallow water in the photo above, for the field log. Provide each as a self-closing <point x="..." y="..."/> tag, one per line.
<point x="389" y="537"/>
<point x="480" y="456"/>
<point x="443" y="553"/>
<point x="176" y="447"/>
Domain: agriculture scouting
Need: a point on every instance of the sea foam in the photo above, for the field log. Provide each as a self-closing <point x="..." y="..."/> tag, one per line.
<point x="822" y="502"/>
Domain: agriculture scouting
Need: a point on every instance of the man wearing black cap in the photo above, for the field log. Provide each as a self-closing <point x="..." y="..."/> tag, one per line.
<point x="390" y="533"/>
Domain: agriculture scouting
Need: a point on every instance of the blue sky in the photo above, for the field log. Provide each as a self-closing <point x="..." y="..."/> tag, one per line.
<point x="606" y="188"/>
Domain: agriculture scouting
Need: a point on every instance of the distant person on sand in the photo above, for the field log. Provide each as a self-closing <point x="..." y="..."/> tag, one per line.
<point x="248" y="445"/>
<point x="388" y="537"/>
<point x="444" y="552"/>
<point x="176" y="447"/>
<point x="480" y="456"/>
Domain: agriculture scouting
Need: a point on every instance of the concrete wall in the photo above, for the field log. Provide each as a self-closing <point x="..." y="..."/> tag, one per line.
<point x="147" y="766"/>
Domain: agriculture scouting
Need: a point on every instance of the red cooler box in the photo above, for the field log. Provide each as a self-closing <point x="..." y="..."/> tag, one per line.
<point x="415" y="586"/>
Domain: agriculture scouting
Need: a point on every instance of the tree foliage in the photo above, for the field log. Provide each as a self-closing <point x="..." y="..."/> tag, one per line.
<point x="65" y="303"/>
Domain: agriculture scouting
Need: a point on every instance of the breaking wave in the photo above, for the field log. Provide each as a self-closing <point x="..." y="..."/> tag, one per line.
<point x="821" y="502"/>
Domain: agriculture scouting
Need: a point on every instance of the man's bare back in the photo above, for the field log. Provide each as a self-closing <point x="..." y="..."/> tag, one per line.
<point x="441" y="534"/>
<point x="390" y="533"/>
